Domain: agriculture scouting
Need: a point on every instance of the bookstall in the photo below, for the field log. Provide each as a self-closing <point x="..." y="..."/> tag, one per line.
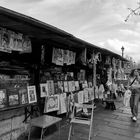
<point x="110" y="76"/>
<point x="43" y="69"/>
<point x="17" y="86"/>
<point x="64" y="74"/>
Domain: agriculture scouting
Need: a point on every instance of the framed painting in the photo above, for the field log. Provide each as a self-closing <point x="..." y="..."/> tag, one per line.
<point x="51" y="103"/>
<point x="44" y="90"/>
<point x="32" y="94"/>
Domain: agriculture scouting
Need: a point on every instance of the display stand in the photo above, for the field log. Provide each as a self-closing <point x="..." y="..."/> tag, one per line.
<point x="30" y="110"/>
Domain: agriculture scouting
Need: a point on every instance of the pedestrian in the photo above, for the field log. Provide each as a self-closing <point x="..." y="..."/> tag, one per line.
<point x="134" y="85"/>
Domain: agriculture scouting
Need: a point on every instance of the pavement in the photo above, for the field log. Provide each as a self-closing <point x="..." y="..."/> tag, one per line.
<point x="107" y="125"/>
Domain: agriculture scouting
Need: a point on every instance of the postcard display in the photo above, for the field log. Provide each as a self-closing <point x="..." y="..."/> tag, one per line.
<point x="60" y="89"/>
<point x="14" y="87"/>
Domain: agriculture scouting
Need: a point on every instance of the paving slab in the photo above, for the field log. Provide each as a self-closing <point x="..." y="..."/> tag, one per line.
<point x="107" y="125"/>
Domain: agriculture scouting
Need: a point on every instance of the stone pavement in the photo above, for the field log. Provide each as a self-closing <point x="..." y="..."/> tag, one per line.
<point x="107" y="125"/>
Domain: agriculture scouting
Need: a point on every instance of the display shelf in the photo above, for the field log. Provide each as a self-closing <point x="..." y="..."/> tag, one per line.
<point x="15" y="79"/>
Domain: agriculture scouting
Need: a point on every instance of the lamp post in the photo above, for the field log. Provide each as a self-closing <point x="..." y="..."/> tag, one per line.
<point x="122" y="50"/>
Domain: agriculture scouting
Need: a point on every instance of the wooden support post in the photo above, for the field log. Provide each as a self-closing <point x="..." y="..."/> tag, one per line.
<point x="94" y="72"/>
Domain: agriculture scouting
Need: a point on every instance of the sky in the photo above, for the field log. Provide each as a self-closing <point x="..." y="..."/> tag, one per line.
<point x="100" y="22"/>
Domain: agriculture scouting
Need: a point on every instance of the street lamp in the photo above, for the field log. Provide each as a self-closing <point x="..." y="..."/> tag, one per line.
<point x="122" y="50"/>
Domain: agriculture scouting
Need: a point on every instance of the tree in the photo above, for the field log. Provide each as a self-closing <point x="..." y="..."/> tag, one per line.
<point x="135" y="12"/>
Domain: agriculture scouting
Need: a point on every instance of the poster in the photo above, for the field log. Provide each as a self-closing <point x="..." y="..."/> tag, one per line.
<point x="32" y="94"/>
<point x="43" y="90"/>
<point x="86" y="96"/>
<point x="62" y="104"/>
<point x="66" y="56"/>
<point x="58" y="57"/>
<point x="50" y="87"/>
<point x="5" y="40"/>
<point x="80" y="97"/>
<point x="60" y="86"/>
<point x="66" y="87"/>
<point x="77" y="87"/>
<point x="73" y="57"/>
<point x="3" y="98"/>
<point x="23" y="96"/>
<point x="70" y="57"/>
<point x="51" y="103"/>
<point x="73" y="85"/>
<point x="70" y="85"/>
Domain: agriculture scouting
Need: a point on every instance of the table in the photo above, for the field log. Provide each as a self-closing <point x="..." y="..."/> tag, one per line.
<point x="43" y="122"/>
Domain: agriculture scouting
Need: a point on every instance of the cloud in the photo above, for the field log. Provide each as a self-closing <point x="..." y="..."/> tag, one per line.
<point x="131" y="49"/>
<point x="21" y="1"/>
<point x="130" y="32"/>
<point x="100" y="22"/>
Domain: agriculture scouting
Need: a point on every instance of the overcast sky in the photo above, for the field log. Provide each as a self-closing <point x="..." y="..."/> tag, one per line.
<point x="100" y="22"/>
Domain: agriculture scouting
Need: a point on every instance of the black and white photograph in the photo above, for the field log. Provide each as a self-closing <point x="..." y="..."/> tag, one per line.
<point x="69" y="62"/>
<point x="44" y="90"/>
<point x="32" y="94"/>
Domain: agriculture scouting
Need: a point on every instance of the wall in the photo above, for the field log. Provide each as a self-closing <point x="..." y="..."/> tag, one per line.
<point x="11" y="124"/>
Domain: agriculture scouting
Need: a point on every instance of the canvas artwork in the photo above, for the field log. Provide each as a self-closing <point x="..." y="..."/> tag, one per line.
<point x="32" y="94"/>
<point x="51" y="103"/>
<point x="44" y="89"/>
<point x="3" y="98"/>
<point x="23" y="96"/>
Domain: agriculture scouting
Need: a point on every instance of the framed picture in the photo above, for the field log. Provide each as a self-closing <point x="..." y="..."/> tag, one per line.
<point x="3" y="98"/>
<point x="43" y="90"/>
<point x="51" y="103"/>
<point x="23" y="96"/>
<point x="32" y="94"/>
<point x="13" y="96"/>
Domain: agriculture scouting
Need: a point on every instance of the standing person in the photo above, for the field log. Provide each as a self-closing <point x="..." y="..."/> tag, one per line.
<point x="134" y="83"/>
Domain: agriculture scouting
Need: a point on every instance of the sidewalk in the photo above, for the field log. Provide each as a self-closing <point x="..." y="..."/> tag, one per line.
<point x="107" y="125"/>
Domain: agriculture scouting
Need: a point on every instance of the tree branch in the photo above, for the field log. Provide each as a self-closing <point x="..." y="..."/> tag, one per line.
<point x="133" y="12"/>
